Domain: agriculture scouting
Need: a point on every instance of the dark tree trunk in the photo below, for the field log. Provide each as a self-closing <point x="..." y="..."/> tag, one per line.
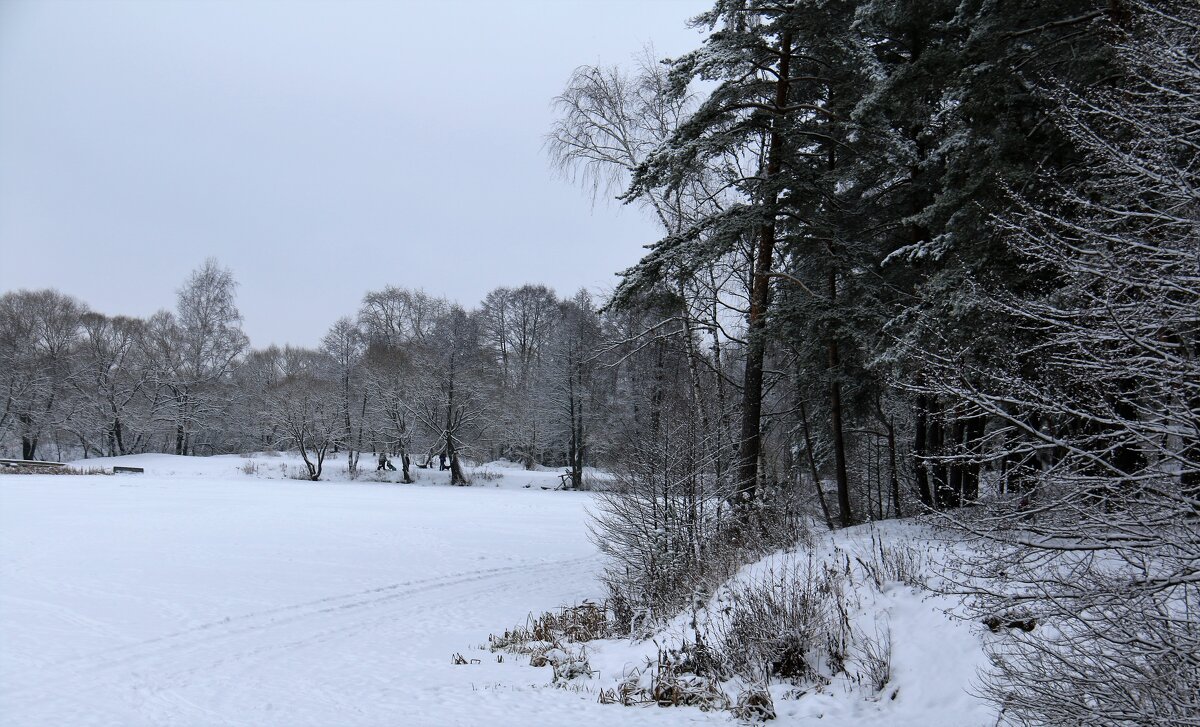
<point x="577" y="441"/>
<point x="29" y="441"/>
<point x="402" y="450"/>
<point x="119" y="435"/>
<point x="528" y="460"/>
<point x="699" y="398"/>
<point x="657" y="394"/>
<point x="348" y="435"/>
<point x="835" y="409"/>
<point x="971" y="469"/>
<point x="29" y="447"/>
<point x="938" y="472"/>
<point x="722" y="421"/>
<point x="954" y="489"/>
<point x="893" y="472"/>
<point x="921" y="451"/>
<point x="456" y="474"/>
<point x="839" y="440"/>
<point x="181" y="423"/>
<point x="812" y="466"/>
<point x="750" y="445"/>
<point x="577" y="460"/>
<point x="573" y="438"/>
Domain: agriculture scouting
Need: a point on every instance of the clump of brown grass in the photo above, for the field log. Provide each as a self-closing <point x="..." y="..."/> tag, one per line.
<point x="587" y="621"/>
<point x="678" y="677"/>
<point x="754" y="705"/>
<point x="485" y="474"/>
<point x="555" y="639"/>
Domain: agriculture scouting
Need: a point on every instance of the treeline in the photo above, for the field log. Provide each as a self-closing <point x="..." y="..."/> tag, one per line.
<point x="526" y="375"/>
<point x="829" y="207"/>
<point x="929" y="254"/>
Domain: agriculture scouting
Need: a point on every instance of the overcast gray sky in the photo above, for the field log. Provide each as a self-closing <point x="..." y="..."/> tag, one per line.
<point x="320" y="149"/>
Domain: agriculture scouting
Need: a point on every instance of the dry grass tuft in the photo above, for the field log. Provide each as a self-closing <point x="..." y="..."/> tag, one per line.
<point x="555" y="639"/>
<point x="893" y="563"/>
<point x="587" y="621"/>
<point x="485" y="474"/>
<point x="754" y="705"/>
<point x="677" y="677"/>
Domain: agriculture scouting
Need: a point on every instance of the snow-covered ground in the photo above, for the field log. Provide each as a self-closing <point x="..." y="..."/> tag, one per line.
<point x="204" y="592"/>
<point x="196" y="594"/>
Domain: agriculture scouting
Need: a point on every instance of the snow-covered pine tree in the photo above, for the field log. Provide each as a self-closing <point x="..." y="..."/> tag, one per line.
<point x="957" y="85"/>
<point x="739" y="129"/>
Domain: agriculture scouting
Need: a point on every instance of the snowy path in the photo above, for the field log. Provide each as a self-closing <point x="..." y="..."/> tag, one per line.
<point x="206" y="600"/>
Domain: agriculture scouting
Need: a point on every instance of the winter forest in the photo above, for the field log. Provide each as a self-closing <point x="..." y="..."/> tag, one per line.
<point x="410" y="375"/>
<point x="921" y="325"/>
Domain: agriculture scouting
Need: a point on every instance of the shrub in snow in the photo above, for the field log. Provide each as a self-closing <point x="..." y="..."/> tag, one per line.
<point x="676" y="678"/>
<point x="807" y="623"/>
<point x="791" y="624"/>
<point x="874" y="658"/>
<point x="894" y="562"/>
<point x="668" y="531"/>
<point x="661" y="526"/>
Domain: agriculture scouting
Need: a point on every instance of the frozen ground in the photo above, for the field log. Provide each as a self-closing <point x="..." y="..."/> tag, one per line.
<point x="205" y="593"/>
<point x="198" y="595"/>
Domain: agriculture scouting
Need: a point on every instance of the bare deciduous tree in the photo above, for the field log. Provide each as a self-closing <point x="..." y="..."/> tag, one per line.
<point x="305" y="408"/>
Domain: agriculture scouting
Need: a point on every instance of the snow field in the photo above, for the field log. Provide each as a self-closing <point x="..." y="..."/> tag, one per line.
<point x="208" y="597"/>
<point x="202" y="594"/>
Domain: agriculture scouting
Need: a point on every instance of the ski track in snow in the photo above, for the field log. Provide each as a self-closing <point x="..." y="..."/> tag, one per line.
<point x="217" y="635"/>
<point x="238" y="648"/>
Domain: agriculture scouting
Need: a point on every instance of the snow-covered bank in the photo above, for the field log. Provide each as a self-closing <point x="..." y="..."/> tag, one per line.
<point x="289" y="466"/>
<point x="933" y="656"/>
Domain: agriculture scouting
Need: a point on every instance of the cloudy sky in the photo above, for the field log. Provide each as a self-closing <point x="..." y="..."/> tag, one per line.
<point x="320" y="149"/>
